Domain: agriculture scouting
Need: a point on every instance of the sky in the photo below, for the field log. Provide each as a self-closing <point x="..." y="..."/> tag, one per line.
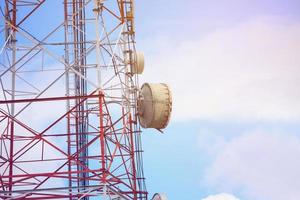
<point x="234" y="70"/>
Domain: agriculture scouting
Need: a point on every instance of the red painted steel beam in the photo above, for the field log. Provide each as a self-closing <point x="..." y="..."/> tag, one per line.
<point x="133" y="159"/>
<point x="48" y="99"/>
<point x="31" y="12"/>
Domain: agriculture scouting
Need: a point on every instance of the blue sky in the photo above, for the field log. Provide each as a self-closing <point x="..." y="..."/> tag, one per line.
<point x="233" y="66"/>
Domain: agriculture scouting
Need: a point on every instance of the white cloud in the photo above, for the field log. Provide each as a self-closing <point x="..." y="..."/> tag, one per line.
<point x="210" y="142"/>
<point x="250" y="71"/>
<point x="259" y="164"/>
<point x="222" y="196"/>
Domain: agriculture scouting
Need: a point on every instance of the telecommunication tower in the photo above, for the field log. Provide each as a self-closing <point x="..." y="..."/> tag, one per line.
<point x="71" y="107"/>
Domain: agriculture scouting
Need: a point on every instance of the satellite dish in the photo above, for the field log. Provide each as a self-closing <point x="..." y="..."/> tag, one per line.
<point x="154" y="105"/>
<point x="160" y="196"/>
<point x="138" y="64"/>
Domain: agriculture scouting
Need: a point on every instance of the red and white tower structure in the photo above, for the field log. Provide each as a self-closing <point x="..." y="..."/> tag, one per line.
<point x="71" y="106"/>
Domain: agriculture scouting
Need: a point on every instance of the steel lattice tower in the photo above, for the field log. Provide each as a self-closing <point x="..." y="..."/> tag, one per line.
<point x="68" y="111"/>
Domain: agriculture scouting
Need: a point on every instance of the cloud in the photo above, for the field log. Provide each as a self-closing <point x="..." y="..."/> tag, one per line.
<point x="261" y="165"/>
<point x="248" y="71"/>
<point x="222" y="196"/>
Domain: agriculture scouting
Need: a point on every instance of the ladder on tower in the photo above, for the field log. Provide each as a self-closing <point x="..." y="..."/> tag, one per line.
<point x="77" y="118"/>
